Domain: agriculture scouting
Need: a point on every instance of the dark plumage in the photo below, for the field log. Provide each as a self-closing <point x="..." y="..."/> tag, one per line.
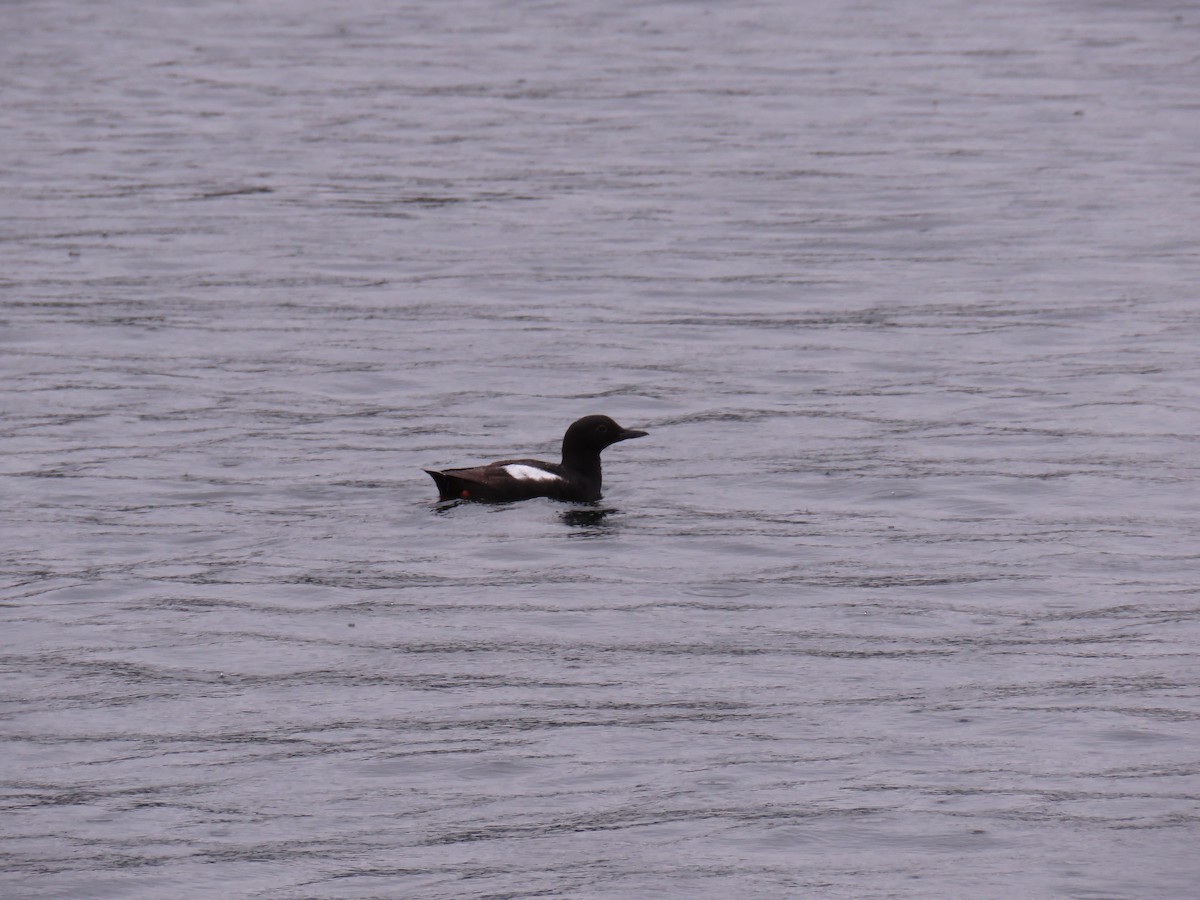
<point x="576" y="478"/>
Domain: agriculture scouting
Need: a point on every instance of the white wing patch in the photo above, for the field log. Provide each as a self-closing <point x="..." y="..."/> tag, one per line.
<point x="529" y="473"/>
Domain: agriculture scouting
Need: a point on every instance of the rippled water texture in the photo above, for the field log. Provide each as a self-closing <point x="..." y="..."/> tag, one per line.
<point x="898" y="599"/>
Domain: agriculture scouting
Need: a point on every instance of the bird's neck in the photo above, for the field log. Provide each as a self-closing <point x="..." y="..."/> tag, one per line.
<point x="585" y="462"/>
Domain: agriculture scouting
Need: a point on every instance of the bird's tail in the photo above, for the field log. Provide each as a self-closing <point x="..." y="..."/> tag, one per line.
<point x="449" y="487"/>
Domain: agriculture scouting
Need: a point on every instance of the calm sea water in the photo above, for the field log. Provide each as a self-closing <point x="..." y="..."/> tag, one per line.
<point x="898" y="599"/>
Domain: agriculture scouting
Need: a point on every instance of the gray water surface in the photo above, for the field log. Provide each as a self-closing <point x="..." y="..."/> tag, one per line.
<point x="898" y="599"/>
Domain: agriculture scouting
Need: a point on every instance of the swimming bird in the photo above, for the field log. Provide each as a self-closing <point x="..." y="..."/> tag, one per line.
<point x="576" y="478"/>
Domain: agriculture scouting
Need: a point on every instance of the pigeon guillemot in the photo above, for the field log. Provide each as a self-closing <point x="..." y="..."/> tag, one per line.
<point x="576" y="478"/>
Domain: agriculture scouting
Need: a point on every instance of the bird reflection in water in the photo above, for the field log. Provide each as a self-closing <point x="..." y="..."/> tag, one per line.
<point x="589" y="520"/>
<point x="586" y="520"/>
